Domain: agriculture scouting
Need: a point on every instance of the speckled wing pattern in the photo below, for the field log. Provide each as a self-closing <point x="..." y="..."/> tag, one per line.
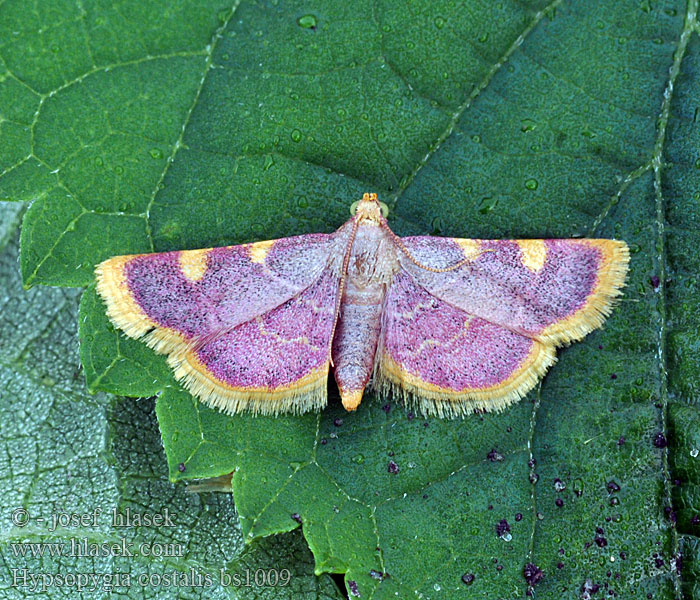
<point x="245" y="327"/>
<point x="449" y="325"/>
<point x="480" y="336"/>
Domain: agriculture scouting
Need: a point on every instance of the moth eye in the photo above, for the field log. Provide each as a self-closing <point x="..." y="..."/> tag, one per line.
<point x="385" y="209"/>
<point x="353" y="207"/>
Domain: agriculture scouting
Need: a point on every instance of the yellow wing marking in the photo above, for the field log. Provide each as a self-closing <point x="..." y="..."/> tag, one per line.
<point x="193" y="263"/>
<point x="259" y="251"/>
<point x="533" y="254"/>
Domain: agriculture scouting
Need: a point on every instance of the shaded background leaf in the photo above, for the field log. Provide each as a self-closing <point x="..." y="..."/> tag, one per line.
<point x="226" y="124"/>
<point x="65" y="451"/>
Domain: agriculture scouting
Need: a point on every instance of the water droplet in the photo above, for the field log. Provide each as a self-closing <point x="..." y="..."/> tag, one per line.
<point x="99" y="162"/>
<point x="483" y="38"/>
<point x="54" y="48"/>
<point x="645" y="6"/>
<point x="358" y="459"/>
<point x="487" y="205"/>
<point x="476" y="139"/>
<point x="269" y="161"/>
<point x="439" y="22"/>
<point x="531" y="184"/>
<point x="174" y="437"/>
<point x="156" y="152"/>
<point x="437" y="587"/>
<point x="48" y="381"/>
<point x="694" y="453"/>
<point x="342" y="113"/>
<point x="296" y="135"/>
<point x="307" y="22"/>
<point x="671" y="12"/>
<point x="118" y="170"/>
<point x="527" y="125"/>
<point x="222" y="16"/>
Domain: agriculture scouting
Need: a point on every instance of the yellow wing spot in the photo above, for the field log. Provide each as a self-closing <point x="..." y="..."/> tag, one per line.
<point x="260" y="250"/>
<point x="533" y="254"/>
<point x="471" y="248"/>
<point x="193" y="263"/>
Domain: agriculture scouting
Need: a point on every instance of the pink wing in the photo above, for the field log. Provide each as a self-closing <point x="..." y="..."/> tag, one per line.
<point x="244" y="327"/>
<point x="449" y="362"/>
<point x="473" y="324"/>
<point x="554" y="290"/>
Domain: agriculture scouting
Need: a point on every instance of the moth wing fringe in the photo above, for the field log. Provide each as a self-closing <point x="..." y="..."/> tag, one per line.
<point x="453" y="404"/>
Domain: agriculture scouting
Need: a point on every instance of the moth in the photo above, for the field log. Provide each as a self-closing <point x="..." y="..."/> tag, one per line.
<point x="447" y="325"/>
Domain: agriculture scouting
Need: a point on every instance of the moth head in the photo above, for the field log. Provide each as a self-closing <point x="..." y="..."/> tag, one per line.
<point x="369" y="209"/>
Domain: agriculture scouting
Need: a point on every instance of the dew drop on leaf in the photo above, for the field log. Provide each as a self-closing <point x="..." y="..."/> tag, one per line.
<point x="296" y="135"/>
<point x="487" y="205"/>
<point x="307" y="22"/>
<point x="439" y="22"/>
<point x="531" y="184"/>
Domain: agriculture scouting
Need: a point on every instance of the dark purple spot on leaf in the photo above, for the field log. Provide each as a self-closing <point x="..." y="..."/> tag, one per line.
<point x="502" y="527"/>
<point x="392" y="467"/>
<point x="621" y="441"/>
<point x="468" y="578"/>
<point x="660" y="440"/>
<point x="613" y="376"/>
<point x="352" y="585"/>
<point x="386" y="408"/>
<point x="612" y="487"/>
<point x="181" y="467"/>
<point x="559" y="502"/>
<point x="338" y="423"/>
<point x="600" y="541"/>
<point x="494" y="455"/>
<point x="518" y="516"/>
<point x="296" y="517"/>
<point x="532" y="574"/>
<point x="655" y="281"/>
<point x="559" y="485"/>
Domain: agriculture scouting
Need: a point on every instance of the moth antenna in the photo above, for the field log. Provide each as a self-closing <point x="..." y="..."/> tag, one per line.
<point x="400" y="244"/>
<point x="343" y="278"/>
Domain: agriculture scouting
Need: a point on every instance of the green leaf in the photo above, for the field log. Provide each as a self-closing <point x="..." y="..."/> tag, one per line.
<point x="217" y="124"/>
<point x="69" y="453"/>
